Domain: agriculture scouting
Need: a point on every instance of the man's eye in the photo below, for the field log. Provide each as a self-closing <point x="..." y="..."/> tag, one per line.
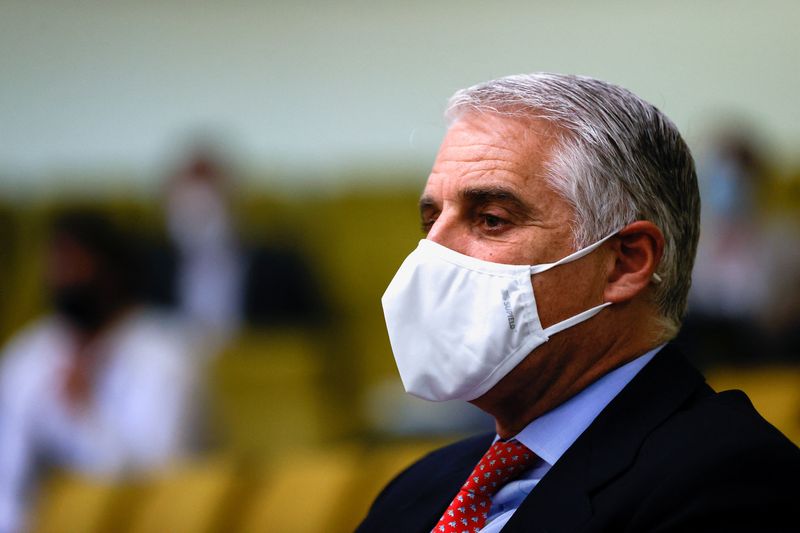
<point x="492" y="221"/>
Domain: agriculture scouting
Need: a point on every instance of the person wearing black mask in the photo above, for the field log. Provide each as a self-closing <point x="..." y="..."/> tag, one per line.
<point x="102" y="385"/>
<point x="91" y="271"/>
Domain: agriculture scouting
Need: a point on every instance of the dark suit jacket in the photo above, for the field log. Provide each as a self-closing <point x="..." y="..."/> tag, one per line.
<point x="667" y="454"/>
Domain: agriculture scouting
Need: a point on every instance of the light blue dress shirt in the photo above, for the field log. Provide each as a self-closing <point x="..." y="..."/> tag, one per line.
<point x="550" y="435"/>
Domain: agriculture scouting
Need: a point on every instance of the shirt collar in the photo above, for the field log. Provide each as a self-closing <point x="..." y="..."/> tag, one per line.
<point x="550" y="435"/>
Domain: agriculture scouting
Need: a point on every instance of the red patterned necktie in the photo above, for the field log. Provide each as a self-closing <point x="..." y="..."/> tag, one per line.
<point x="502" y="463"/>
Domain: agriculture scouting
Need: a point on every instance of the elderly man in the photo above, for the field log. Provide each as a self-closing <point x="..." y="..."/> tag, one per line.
<point x="561" y="221"/>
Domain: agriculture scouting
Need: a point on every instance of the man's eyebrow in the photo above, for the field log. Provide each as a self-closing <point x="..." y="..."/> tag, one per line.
<point x="426" y="203"/>
<point x="483" y="195"/>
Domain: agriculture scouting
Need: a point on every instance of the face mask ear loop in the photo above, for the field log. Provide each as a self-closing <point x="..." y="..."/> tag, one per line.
<point x="538" y="269"/>
<point x="585" y="315"/>
<point x="577" y="319"/>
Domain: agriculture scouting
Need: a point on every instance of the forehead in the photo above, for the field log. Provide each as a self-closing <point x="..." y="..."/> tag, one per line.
<point x="486" y="150"/>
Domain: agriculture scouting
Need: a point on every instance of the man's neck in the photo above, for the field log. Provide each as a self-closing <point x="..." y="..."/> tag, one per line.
<point x="537" y="386"/>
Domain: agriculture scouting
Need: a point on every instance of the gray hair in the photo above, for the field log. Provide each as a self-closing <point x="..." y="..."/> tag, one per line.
<point x="618" y="159"/>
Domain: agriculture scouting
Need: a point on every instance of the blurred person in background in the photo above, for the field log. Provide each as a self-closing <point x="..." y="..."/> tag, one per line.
<point x="745" y="295"/>
<point x="100" y="386"/>
<point x="561" y="220"/>
<point x="213" y="278"/>
<point x="207" y="265"/>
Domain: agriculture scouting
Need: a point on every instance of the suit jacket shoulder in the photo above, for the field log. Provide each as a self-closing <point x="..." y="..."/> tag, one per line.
<point x="670" y="454"/>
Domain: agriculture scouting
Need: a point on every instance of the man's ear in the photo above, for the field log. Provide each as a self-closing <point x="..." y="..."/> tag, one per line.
<point x="637" y="253"/>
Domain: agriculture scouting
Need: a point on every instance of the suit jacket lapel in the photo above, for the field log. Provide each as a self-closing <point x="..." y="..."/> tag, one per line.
<point x="421" y="512"/>
<point x="560" y="502"/>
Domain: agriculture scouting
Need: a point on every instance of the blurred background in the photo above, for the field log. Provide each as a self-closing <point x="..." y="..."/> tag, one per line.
<point x="201" y="204"/>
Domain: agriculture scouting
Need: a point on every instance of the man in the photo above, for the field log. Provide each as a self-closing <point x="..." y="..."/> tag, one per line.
<point x="101" y="386"/>
<point x="209" y="275"/>
<point x="562" y="220"/>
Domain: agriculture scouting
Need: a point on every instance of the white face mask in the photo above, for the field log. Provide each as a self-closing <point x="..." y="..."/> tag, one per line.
<point x="197" y="218"/>
<point x="458" y="325"/>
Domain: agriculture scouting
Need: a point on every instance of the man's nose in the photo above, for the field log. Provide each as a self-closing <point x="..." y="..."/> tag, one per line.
<point x="449" y="232"/>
